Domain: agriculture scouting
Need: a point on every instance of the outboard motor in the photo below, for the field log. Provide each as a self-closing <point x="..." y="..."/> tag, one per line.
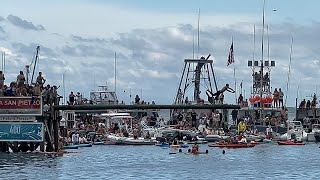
<point x="317" y="136"/>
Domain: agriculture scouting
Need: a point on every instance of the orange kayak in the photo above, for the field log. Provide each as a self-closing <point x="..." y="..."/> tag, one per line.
<point x="290" y="143"/>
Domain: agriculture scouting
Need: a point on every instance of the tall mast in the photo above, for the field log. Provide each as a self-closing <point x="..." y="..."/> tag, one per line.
<point x="115" y="72"/>
<point x="261" y="78"/>
<point x="289" y="71"/>
<point x="268" y="43"/>
<point x="3" y="62"/>
<point x="198" y="33"/>
<point x="64" y="89"/>
<point x="254" y="41"/>
<point x="193" y="45"/>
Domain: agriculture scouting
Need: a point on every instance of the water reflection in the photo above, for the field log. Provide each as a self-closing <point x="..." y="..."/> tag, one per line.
<point x="27" y="166"/>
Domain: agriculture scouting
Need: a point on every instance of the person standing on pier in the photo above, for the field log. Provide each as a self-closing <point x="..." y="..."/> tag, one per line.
<point x="280" y="98"/>
<point x="71" y="98"/>
<point x="21" y="79"/>
<point x="194" y="118"/>
<point x="40" y="80"/>
<point x="276" y="98"/>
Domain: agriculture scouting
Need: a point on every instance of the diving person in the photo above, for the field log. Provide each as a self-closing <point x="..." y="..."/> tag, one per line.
<point x="222" y="90"/>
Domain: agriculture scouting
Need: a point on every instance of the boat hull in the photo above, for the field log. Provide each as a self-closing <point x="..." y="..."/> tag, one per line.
<point x="290" y="143"/>
<point x="71" y="147"/>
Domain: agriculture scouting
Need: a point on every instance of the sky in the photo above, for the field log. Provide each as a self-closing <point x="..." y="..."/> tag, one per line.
<point x="78" y="38"/>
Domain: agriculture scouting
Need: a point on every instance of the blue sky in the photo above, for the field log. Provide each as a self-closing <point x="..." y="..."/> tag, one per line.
<point x="79" y="38"/>
<point x="296" y="9"/>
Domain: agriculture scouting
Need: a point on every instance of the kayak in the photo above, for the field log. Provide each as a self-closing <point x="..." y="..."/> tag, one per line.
<point x="240" y="145"/>
<point x="290" y="143"/>
<point x="98" y="143"/>
<point x="178" y="146"/>
<point x="70" y="147"/>
<point x="184" y="145"/>
<point x="162" y="144"/>
<point x="84" y="145"/>
<point x="175" y="146"/>
<point x="59" y="152"/>
<point x="267" y="140"/>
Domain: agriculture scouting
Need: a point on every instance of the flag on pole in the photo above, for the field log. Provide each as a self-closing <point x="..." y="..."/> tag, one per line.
<point x="231" y="56"/>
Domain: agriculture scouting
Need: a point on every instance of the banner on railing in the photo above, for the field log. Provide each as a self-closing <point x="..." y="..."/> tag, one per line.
<point x="18" y="131"/>
<point x="20" y="106"/>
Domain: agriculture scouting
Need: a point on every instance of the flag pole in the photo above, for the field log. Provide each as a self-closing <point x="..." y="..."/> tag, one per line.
<point x="234" y="71"/>
<point x="235" y="82"/>
<point x="241" y="84"/>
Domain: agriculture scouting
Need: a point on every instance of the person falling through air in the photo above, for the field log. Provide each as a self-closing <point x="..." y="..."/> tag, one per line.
<point x="222" y="90"/>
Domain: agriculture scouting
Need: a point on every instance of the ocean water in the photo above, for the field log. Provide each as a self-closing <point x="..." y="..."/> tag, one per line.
<point x="265" y="161"/>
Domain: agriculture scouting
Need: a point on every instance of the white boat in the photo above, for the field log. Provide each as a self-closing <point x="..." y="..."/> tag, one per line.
<point x="295" y="129"/>
<point x="130" y="140"/>
<point x="315" y="130"/>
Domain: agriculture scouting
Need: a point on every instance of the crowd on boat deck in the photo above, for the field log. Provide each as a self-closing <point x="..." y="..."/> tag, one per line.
<point x="21" y="87"/>
<point x="275" y="100"/>
<point x="192" y="121"/>
<point x="87" y="126"/>
<point x="261" y="80"/>
<point x="309" y="104"/>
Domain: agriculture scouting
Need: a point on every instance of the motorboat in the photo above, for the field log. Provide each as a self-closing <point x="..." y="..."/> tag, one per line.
<point x="130" y="140"/>
<point x="215" y="137"/>
<point x="295" y="130"/>
<point x="314" y="135"/>
<point x="138" y="141"/>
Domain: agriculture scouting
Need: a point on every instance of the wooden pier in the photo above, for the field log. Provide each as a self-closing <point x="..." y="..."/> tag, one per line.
<point x="143" y="106"/>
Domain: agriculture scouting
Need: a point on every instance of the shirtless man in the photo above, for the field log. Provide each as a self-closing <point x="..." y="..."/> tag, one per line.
<point x="222" y="90"/>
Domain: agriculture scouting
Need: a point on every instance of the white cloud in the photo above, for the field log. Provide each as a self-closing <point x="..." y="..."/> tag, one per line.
<point x="150" y="56"/>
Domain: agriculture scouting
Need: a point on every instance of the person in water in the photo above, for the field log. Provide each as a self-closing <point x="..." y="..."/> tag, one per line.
<point x="175" y="141"/>
<point x="195" y="148"/>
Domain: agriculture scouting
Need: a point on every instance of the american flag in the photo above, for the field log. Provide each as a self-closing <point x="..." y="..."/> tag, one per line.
<point x="231" y="56"/>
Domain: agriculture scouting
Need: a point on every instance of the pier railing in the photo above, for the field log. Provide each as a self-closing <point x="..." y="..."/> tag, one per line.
<point x="140" y="106"/>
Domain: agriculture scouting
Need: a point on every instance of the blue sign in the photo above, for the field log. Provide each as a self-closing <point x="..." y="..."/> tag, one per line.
<point x="19" y="131"/>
